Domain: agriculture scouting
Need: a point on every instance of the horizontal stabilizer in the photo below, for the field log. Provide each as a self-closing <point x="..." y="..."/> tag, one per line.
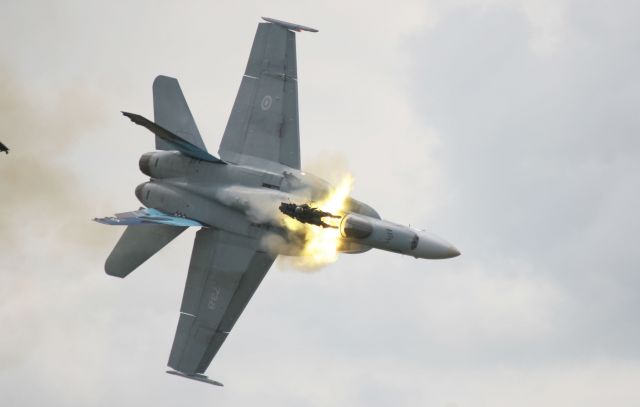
<point x="137" y="244"/>
<point x="147" y="215"/>
<point x="175" y="141"/>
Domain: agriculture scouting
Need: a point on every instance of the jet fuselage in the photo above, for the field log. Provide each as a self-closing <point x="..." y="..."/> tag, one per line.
<point x="244" y="199"/>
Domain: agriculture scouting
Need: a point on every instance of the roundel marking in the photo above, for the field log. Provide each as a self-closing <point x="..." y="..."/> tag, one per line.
<point x="266" y="102"/>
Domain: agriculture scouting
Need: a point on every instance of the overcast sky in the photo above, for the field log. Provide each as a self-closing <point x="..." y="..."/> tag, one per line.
<point x="511" y="128"/>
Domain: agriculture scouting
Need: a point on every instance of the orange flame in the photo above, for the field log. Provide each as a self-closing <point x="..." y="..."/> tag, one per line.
<point x="321" y="244"/>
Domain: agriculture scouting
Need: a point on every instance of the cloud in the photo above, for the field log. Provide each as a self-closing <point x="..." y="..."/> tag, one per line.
<point x="540" y="157"/>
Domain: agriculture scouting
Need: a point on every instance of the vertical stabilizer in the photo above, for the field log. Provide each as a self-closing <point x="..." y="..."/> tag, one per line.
<point x="171" y="112"/>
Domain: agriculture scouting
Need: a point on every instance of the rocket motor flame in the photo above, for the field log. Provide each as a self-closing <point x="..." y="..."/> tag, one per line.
<point x="321" y="244"/>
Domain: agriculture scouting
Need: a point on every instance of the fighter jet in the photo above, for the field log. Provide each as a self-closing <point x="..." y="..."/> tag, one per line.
<point x="233" y="198"/>
<point x="307" y="214"/>
<point x="3" y="148"/>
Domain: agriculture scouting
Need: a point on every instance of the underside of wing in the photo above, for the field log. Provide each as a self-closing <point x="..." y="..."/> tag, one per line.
<point x="224" y="272"/>
<point x="263" y="125"/>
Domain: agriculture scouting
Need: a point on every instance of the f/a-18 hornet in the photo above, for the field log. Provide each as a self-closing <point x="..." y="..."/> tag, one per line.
<point x="234" y="198"/>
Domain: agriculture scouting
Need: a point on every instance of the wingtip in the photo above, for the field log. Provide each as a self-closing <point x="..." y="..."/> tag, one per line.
<point x="129" y="116"/>
<point x="290" y="26"/>
<point x="163" y="80"/>
<point x="196" y="376"/>
<point x="136" y="118"/>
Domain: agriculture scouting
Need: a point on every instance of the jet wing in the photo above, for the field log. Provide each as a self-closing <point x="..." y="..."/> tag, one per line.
<point x="224" y="272"/>
<point x="145" y="216"/>
<point x="263" y="125"/>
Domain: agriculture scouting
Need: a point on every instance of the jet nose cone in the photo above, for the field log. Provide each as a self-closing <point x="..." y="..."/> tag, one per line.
<point x="431" y="246"/>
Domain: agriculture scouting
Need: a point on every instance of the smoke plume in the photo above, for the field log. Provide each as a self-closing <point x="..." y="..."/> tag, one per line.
<point x="44" y="222"/>
<point x="39" y="194"/>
